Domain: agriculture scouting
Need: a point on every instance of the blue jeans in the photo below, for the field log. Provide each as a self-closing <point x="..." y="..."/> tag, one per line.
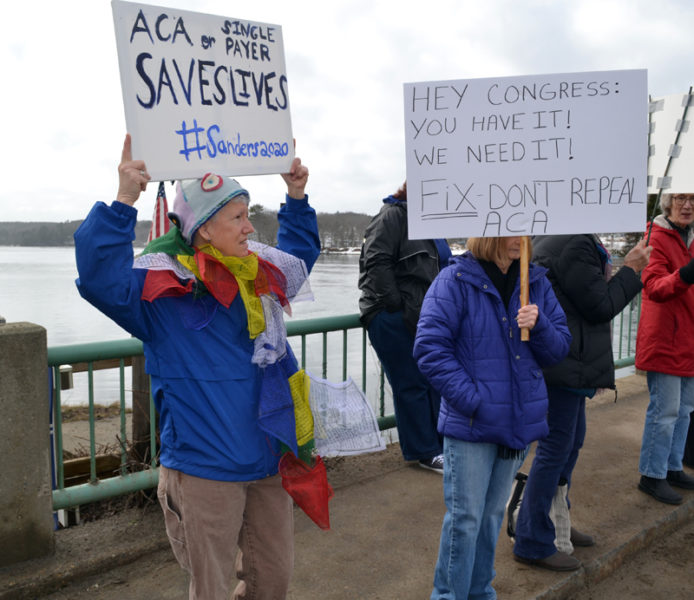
<point x="555" y="459"/>
<point x="415" y="401"/>
<point x="667" y="424"/>
<point x="476" y="487"/>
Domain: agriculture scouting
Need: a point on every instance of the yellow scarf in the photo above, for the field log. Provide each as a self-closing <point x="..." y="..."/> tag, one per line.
<point x="244" y="269"/>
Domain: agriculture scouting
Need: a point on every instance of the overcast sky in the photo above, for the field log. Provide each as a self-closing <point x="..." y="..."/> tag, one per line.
<point x="347" y="60"/>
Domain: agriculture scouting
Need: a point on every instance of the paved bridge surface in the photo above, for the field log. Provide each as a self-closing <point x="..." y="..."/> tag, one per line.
<point x="386" y="518"/>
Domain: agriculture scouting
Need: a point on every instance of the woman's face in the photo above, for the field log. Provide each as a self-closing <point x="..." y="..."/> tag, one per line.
<point x="512" y="248"/>
<point x="509" y="251"/>
<point x="682" y="209"/>
<point x="228" y="229"/>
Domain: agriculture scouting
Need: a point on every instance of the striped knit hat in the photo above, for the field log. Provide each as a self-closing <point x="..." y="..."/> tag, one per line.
<point x="197" y="200"/>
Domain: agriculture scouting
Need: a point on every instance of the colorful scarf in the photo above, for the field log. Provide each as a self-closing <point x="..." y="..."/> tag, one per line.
<point x="222" y="276"/>
<point x="225" y="276"/>
<point x="284" y="411"/>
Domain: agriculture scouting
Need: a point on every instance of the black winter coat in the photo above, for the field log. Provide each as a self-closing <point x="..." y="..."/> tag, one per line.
<point x="577" y="274"/>
<point x="394" y="271"/>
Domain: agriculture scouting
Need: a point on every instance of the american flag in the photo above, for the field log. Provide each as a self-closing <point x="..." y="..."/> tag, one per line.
<point x="160" y="220"/>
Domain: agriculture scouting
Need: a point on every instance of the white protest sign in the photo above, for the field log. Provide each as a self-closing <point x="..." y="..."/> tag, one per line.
<point x="531" y="155"/>
<point x="667" y="120"/>
<point x="203" y="93"/>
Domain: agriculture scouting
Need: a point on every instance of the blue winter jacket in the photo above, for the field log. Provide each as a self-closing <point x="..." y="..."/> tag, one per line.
<point x="468" y="346"/>
<point x="197" y="352"/>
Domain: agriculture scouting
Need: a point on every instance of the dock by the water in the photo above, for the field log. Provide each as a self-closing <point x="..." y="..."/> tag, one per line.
<point x="386" y="518"/>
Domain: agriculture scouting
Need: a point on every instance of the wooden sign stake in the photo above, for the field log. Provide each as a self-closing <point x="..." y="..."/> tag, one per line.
<point x="524" y="289"/>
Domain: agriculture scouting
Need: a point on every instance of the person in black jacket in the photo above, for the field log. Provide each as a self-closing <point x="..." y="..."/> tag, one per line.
<point x="580" y="273"/>
<point x="394" y="275"/>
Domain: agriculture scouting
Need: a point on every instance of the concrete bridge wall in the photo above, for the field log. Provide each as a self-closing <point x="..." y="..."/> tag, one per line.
<point x="26" y="518"/>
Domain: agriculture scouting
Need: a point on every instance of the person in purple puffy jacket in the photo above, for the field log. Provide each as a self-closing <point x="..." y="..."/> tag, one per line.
<point x="493" y="396"/>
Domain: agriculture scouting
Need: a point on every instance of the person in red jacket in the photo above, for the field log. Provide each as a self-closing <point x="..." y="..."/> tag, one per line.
<point x="665" y="349"/>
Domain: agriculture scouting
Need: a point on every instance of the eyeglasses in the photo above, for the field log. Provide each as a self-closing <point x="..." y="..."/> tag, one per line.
<point x="682" y="200"/>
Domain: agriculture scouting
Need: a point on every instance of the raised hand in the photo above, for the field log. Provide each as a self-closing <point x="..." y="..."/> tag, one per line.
<point x="132" y="175"/>
<point x="296" y="179"/>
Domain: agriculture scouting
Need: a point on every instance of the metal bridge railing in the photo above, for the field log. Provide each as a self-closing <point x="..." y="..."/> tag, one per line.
<point x="316" y="355"/>
<point x="91" y="357"/>
<point x="624" y="334"/>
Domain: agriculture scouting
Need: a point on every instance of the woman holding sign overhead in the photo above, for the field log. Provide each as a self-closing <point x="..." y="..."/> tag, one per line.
<point x="494" y="399"/>
<point x="209" y="313"/>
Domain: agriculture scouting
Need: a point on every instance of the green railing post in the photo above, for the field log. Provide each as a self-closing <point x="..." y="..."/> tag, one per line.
<point x="58" y="427"/>
<point x="123" y="433"/>
<point x="92" y="432"/>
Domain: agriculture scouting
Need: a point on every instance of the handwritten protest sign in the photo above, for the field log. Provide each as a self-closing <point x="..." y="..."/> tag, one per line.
<point x="671" y="122"/>
<point x="531" y="155"/>
<point x="203" y="93"/>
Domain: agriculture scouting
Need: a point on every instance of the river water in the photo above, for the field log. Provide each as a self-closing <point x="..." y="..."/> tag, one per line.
<point x="38" y="285"/>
